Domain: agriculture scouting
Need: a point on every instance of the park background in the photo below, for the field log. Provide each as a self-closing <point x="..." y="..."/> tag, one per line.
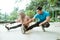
<point x="9" y="12"/>
<point x="9" y="9"/>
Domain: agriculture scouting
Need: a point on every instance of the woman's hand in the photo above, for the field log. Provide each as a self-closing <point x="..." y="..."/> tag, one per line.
<point x="40" y="24"/>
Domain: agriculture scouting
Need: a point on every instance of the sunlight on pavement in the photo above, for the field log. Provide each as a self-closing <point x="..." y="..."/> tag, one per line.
<point x="51" y="33"/>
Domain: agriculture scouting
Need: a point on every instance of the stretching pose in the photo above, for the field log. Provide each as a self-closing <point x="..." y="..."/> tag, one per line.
<point x="42" y="16"/>
<point x="21" y="20"/>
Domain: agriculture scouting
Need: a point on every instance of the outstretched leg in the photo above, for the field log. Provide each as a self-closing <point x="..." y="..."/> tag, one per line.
<point x="34" y="25"/>
<point x="37" y="24"/>
<point x="13" y="27"/>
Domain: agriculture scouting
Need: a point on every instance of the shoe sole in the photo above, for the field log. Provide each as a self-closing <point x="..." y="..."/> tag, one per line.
<point x="23" y="29"/>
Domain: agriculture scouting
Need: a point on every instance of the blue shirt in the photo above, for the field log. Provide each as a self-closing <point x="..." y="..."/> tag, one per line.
<point x="42" y="17"/>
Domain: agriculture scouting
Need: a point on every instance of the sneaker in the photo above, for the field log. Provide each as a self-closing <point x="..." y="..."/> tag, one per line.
<point x="7" y="28"/>
<point x="23" y="29"/>
<point x="43" y="29"/>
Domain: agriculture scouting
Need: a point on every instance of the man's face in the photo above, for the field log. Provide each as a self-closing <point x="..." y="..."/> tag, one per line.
<point x="39" y="11"/>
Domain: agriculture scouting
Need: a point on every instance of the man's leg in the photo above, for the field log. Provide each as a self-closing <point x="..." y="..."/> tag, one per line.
<point x="46" y="25"/>
<point x="37" y="24"/>
<point x="34" y="25"/>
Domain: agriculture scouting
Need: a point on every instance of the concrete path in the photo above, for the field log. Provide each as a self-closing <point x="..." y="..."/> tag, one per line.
<point x="52" y="33"/>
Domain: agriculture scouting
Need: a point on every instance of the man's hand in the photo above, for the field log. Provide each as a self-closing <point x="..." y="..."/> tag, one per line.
<point x="47" y="20"/>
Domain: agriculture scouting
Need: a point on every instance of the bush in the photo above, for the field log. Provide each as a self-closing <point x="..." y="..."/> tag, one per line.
<point x="30" y="13"/>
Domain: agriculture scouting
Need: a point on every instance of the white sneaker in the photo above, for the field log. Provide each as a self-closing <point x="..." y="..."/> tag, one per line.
<point x="23" y="29"/>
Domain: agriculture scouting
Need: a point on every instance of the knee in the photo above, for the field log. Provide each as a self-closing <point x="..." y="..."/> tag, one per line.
<point x="46" y="25"/>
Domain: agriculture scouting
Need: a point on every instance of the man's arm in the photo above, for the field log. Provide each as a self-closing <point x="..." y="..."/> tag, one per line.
<point x="32" y="19"/>
<point x="47" y="20"/>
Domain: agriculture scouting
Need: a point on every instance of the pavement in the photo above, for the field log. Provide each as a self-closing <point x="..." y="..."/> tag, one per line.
<point x="52" y="33"/>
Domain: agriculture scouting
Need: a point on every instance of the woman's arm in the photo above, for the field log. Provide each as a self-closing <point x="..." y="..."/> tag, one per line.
<point x="29" y="21"/>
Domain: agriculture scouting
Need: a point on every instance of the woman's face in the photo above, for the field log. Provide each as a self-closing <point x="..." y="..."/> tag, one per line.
<point x="22" y="15"/>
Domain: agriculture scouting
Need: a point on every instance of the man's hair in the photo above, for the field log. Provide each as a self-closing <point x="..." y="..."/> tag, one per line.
<point x="39" y="8"/>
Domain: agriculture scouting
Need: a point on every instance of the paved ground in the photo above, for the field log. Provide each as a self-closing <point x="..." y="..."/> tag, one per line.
<point x="52" y="33"/>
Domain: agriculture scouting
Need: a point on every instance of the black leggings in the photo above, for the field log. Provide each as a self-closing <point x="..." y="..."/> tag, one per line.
<point x="16" y="26"/>
<point x="37" y="24"/>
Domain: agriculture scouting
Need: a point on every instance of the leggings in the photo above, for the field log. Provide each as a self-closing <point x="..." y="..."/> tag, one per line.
<point x="37" y="24"/>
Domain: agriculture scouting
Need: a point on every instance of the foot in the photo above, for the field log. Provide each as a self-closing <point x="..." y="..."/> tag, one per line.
<point x="43" y="29"/>
<point x="7" y="28"/>
<point x="23" y="29"/>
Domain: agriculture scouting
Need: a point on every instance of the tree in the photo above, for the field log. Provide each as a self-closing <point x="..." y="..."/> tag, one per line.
<point x="48" y="5"/>
<point x="13" y="14"/>
<point x="30" y="13"/>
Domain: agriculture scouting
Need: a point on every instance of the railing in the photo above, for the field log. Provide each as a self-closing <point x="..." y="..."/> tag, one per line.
<point x="6" y="21"/>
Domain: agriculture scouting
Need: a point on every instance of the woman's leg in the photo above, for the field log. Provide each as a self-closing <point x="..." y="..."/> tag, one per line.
<point x="16" y="26"/>
<point x="13" y="27"/>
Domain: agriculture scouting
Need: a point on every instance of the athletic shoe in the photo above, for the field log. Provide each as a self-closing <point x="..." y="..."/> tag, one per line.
<point x="43" y="29"/>
<point x="23" y="29"/>
<point x="7" y="28"/>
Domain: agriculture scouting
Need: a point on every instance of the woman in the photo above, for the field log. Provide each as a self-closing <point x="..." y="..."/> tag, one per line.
<point x="20" y="21"/>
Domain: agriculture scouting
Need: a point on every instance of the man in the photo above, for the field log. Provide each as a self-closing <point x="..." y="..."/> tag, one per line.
<point x="42" y="16"/>
<point x="21" y="20"/>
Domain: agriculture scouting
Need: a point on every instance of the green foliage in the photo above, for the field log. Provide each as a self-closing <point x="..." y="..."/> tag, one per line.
<point x="47" y="5"/>
<point x="34" y="4"/>
<point x="30" y="13"/>
<point x="5" y="17"/>
<point x="52" y="2"/>
<point x="31" y="10"/>
<point x="13" y="15"/>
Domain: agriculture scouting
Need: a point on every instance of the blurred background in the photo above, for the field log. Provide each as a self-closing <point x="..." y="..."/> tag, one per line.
<point x="9" y="12"/>
<point x="9" y="9"/>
